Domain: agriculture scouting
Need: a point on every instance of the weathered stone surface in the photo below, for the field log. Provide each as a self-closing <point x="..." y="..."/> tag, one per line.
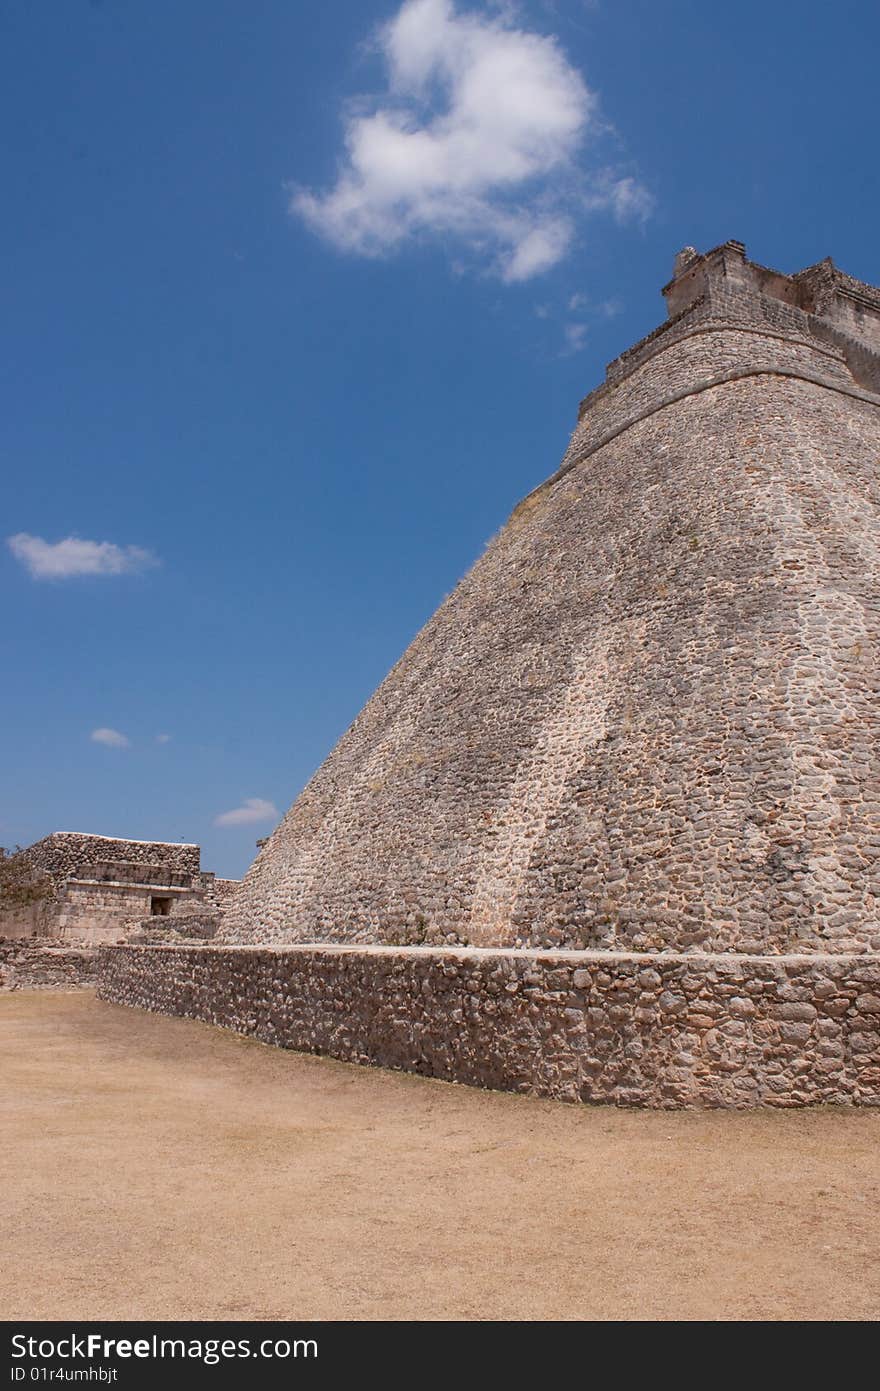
<point x="439" y="1012"/>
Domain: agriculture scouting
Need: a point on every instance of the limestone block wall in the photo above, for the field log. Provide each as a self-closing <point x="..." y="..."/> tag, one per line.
<point x="134" y="872"/>
<point x="33" y="919"/>
<point x="216" y="894"/>
<point x="667" y="1030"/>
<point x="96" y="911"/>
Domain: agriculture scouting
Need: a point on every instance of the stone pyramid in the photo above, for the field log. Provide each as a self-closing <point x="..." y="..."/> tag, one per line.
<point x="647" y="720"/>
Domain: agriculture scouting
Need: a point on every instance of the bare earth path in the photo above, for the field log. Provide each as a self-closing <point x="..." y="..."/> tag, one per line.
<point x="159" y="1168"/>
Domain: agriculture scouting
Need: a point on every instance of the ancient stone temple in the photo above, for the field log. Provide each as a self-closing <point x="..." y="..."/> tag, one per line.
<point x="610" y="829"/>
<point x="72" y="887"/>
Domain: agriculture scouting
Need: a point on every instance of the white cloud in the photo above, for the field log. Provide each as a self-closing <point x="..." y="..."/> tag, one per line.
<point x="575" y="338"/>
<point x="110" y="737"/>
<point x="163" y="738"/>
<point x="252" y="809"/>
<point x="62" y="560"/>
<point x="610" y="308"/>
<point x="629" y="200"/>
<point x="473" y="142"/>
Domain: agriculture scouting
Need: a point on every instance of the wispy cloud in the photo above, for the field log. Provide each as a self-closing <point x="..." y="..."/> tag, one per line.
<point x="627" y="198"/>
<point x="575" y="338"/>
<point x="474" y="141"/>
<point x="163" y="738"/>
<point x="109" y="737"/>
<point x="64" y="560"/>
<point x="252" y="809"/>
<point x="578" y="312"/>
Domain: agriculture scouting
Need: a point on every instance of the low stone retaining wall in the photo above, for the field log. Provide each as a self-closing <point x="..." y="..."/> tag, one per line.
<point x="25" y="966"/>
<point x="630" y="1029"/>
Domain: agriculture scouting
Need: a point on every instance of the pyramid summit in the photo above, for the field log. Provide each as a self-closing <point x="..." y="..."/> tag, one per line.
<point x="610" y="828"/>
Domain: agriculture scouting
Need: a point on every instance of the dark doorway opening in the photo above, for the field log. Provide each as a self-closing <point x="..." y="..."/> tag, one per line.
<point x="160" y="907"/>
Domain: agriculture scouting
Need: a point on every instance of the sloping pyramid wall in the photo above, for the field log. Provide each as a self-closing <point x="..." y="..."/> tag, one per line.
<point x="648" y="717"/>
<point x="610" y="829"/>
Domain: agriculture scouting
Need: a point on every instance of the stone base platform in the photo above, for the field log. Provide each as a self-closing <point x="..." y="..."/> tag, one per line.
<point x="46" y="964"/>
<point x="658" y="1030"/>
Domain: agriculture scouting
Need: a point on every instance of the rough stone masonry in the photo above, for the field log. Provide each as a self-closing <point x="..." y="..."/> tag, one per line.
<point x="640" y="738"/>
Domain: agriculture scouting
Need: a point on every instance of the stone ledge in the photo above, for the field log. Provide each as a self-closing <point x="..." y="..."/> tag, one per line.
<point x="802" y="374"/>
<point x="560" y="955"/>
<point x="662" y="1030"/>
<point x="141" y="887"/>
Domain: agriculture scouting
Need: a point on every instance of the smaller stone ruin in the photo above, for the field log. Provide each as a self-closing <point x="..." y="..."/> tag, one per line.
<point x="69" y="893"/>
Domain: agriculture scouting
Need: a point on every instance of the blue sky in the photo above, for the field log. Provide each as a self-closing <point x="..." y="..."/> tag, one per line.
<point x="299" y="301"/>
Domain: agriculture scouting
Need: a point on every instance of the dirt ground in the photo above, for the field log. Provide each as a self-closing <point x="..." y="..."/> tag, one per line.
<point x="161" y="1168"/>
